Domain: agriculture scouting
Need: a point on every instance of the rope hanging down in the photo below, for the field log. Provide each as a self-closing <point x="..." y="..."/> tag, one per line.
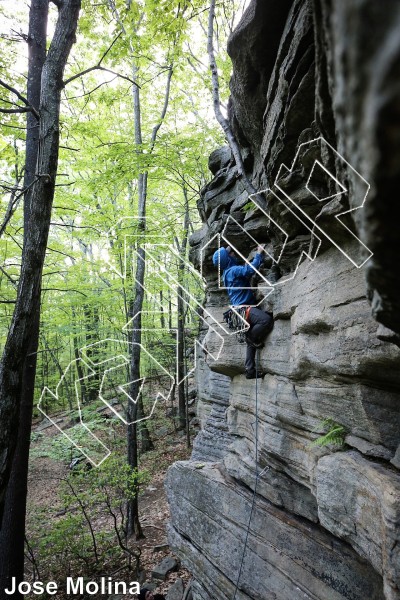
<point x="255" y="484"/>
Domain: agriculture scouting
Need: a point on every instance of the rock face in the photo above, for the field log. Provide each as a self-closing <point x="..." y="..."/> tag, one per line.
<point x="259" y="511"/>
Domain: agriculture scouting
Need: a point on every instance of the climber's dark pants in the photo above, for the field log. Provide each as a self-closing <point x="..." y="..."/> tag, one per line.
<point x="261" y="324"/>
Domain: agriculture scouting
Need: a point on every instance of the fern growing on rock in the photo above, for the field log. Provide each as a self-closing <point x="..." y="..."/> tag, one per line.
<point x="334" y="435"/>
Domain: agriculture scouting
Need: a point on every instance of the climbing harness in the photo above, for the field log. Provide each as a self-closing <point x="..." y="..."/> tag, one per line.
<point x="234" y="320"/>
<point x="255" y="484"/>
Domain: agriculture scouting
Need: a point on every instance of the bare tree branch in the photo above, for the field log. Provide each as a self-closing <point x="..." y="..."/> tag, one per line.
<point x="87" y="518"/>
<point x="164" y="108"/>
<point x="66" y="291"/>
<point x="11" y="111"/>
<point x="98" y="67"/>
<point x="13" y="204"/>
<point x="20" y="96"/>
<point x="69" y="148"/>
<point x="31" y="557"/>
<point x="10" y="279"/>
<point x="92" y="90"/>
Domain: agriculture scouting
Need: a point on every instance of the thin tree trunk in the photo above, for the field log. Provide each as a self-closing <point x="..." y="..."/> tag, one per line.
<point x="184" y="251"/>
<point x="133" y="523"/>
<point x="162" y="315"/>
<point x="92" y="327"/>
<point x="223" y="122"/>
<point x="70" y="394"/>
<point x="79" y="368"/>
<point x="180" y="370"/>
<point x="181" y="363"/>
<point x="169" y="310"/>
<point x="145" y="439"/>
<point x="180" y="367"/>
<point x="20" y="336"/>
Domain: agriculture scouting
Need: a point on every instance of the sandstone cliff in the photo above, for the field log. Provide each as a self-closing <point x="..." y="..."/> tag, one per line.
<point x="325" y="522"/>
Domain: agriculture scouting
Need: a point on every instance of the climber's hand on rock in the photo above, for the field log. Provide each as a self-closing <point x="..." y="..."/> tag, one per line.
<point x="260" y="249"/>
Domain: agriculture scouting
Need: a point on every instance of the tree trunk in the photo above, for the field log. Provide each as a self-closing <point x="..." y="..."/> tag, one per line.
<point x="133" y="522"/>
<point x="223" y="122"/>
<point x="79" y="369"/>
<point x="146" y="443"/>
<point x="12" y="533"/>
<point x="169" y="311"/>
<point x="20" y="335"/>
<point x="181" y="364"/>
<point x="91" y="314"/>
<point x="162" y="315"/>
<point x="180" y="367"/>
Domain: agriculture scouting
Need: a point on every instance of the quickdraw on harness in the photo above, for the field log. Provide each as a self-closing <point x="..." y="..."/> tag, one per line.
<point x="235" y="321"/>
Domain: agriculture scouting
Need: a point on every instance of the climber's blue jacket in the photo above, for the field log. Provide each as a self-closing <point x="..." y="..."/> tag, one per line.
<point x="237" y="277"/>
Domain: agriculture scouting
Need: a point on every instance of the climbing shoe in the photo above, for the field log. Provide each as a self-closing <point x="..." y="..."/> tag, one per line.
<point x="254" y="374"/>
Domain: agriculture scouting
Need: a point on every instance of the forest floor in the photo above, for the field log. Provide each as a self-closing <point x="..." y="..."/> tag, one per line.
<point x="45" y="509"/>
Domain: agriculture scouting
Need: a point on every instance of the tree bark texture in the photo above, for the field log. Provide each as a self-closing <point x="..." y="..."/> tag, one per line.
<point x="35" y="240"/>
<point x="12" y="533"/>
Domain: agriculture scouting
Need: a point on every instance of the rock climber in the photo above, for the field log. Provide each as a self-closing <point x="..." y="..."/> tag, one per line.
<point x="236" y="279"/>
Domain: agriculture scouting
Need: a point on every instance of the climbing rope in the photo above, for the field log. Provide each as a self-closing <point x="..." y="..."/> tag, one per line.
<point x="255" y="484"/>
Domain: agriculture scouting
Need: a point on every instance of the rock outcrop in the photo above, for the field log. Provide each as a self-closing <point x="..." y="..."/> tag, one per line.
<point x="259" y="511"/>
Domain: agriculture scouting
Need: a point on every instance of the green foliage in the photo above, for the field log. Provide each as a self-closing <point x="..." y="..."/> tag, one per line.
<point x="334" y="434"/>
<point x="66" y="543"/>
<point x="36" y="436"/>
<point x="59" y="447"/>
<point x="83" y="299"/>
<point x="76" y="543"/>
<point x="114" y="481"/>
